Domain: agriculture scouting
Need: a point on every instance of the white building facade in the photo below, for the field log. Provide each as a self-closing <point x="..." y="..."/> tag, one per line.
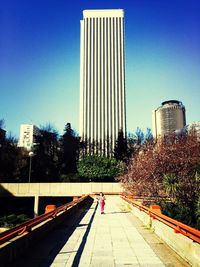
<point x="26" y="137"/>
<point x="168" y="118"/>
<point x="102" y="78"/>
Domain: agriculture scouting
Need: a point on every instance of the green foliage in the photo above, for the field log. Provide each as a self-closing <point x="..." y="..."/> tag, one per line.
<point x="22" y="218"/>
<point x="170" y="182"/>
<point x="139" y="136"/>
<point x="2" y="124"/>
<point x="15" y="161"/>
<point x="197" y="213"/>
<point x="53" y="158"/>
<point x="9" y="154"/>
<point x="136" y="140"/>
<point x="98" y="168"/>
<point x="186" y="199"/>
<point x="179" y="212"/>
<point x="70" y="177"/>
<point x="169" y="168"/>
<point x="44" y="163"/>
<point x="197" y="210"/>
<point x="69" y="151"/>
<point x="121" y="148"/>
<point x="148" y="136"/>
<point x="12" y="220"/>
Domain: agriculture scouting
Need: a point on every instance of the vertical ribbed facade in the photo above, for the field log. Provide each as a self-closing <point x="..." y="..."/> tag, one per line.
<point x="102" y="79"/>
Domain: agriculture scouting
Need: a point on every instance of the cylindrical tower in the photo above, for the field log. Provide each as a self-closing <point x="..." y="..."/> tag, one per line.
<point x="168" y="118"/>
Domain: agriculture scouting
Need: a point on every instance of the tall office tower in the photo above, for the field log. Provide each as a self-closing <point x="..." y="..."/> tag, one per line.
<point x="168" y="118"/>
<point x="26" y="137"/>
<point x="102" y="79"/>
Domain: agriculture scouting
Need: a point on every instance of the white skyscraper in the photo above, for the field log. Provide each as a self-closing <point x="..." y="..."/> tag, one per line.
<point x="26" y="137"/>
<point x="102" y="78"/>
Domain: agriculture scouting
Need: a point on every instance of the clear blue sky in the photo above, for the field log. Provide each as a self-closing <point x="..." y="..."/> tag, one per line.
<point x="39" y="59"/>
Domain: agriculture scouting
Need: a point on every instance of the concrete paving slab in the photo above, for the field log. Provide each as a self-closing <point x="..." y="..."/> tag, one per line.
<point x="113" y="239"/>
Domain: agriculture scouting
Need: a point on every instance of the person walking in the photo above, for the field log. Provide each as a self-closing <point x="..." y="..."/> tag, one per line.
<point x="102" y="202"/>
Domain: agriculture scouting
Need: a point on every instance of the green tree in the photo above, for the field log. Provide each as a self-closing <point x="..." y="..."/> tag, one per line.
<point x="22" y="167"/>
<point x="175" y="157"/>
<point x="9" y="154"/>
<point x="2" y="124"/>
<point x="170" y="182"/>
<point x="12" y="160"/>
<point x="69" y="151"/>
<point x="197" y="213"/>
<point x="99" y="168"/>
<point x="45" y="160"/>
<point x="148" y="138"/>
<point x="139" y="136"/>
<point x="121" y="148"/>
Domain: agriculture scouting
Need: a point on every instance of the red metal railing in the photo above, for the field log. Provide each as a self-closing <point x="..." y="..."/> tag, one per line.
<point x="178" y="227"/>
<point x="27" y="226"/>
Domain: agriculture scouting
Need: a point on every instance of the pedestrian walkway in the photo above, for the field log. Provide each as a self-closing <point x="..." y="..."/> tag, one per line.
<point x="115" y="238"/>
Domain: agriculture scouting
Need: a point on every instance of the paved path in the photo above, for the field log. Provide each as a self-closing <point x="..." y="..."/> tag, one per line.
<point x="116" y="238"/>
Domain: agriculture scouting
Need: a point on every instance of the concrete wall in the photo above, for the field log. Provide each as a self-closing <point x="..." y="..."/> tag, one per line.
<point x="184" y="246"/>
<point x="57" y="189"/>
<point x="37" y="190"/>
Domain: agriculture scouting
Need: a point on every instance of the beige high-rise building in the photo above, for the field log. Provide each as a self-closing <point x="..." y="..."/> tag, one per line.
<point x="26" y="137"/>
<point x="102" y="75"/>
<point x="168" y="118"/>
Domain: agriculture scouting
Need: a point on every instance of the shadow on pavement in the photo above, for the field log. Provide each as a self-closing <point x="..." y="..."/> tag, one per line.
<point x="84" y="240"/>
<point x="43" y="253"/>
<point x="115" y="212"/>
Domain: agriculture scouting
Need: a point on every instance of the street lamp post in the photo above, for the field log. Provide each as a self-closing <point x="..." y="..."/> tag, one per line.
<point x="31" y="154"/>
